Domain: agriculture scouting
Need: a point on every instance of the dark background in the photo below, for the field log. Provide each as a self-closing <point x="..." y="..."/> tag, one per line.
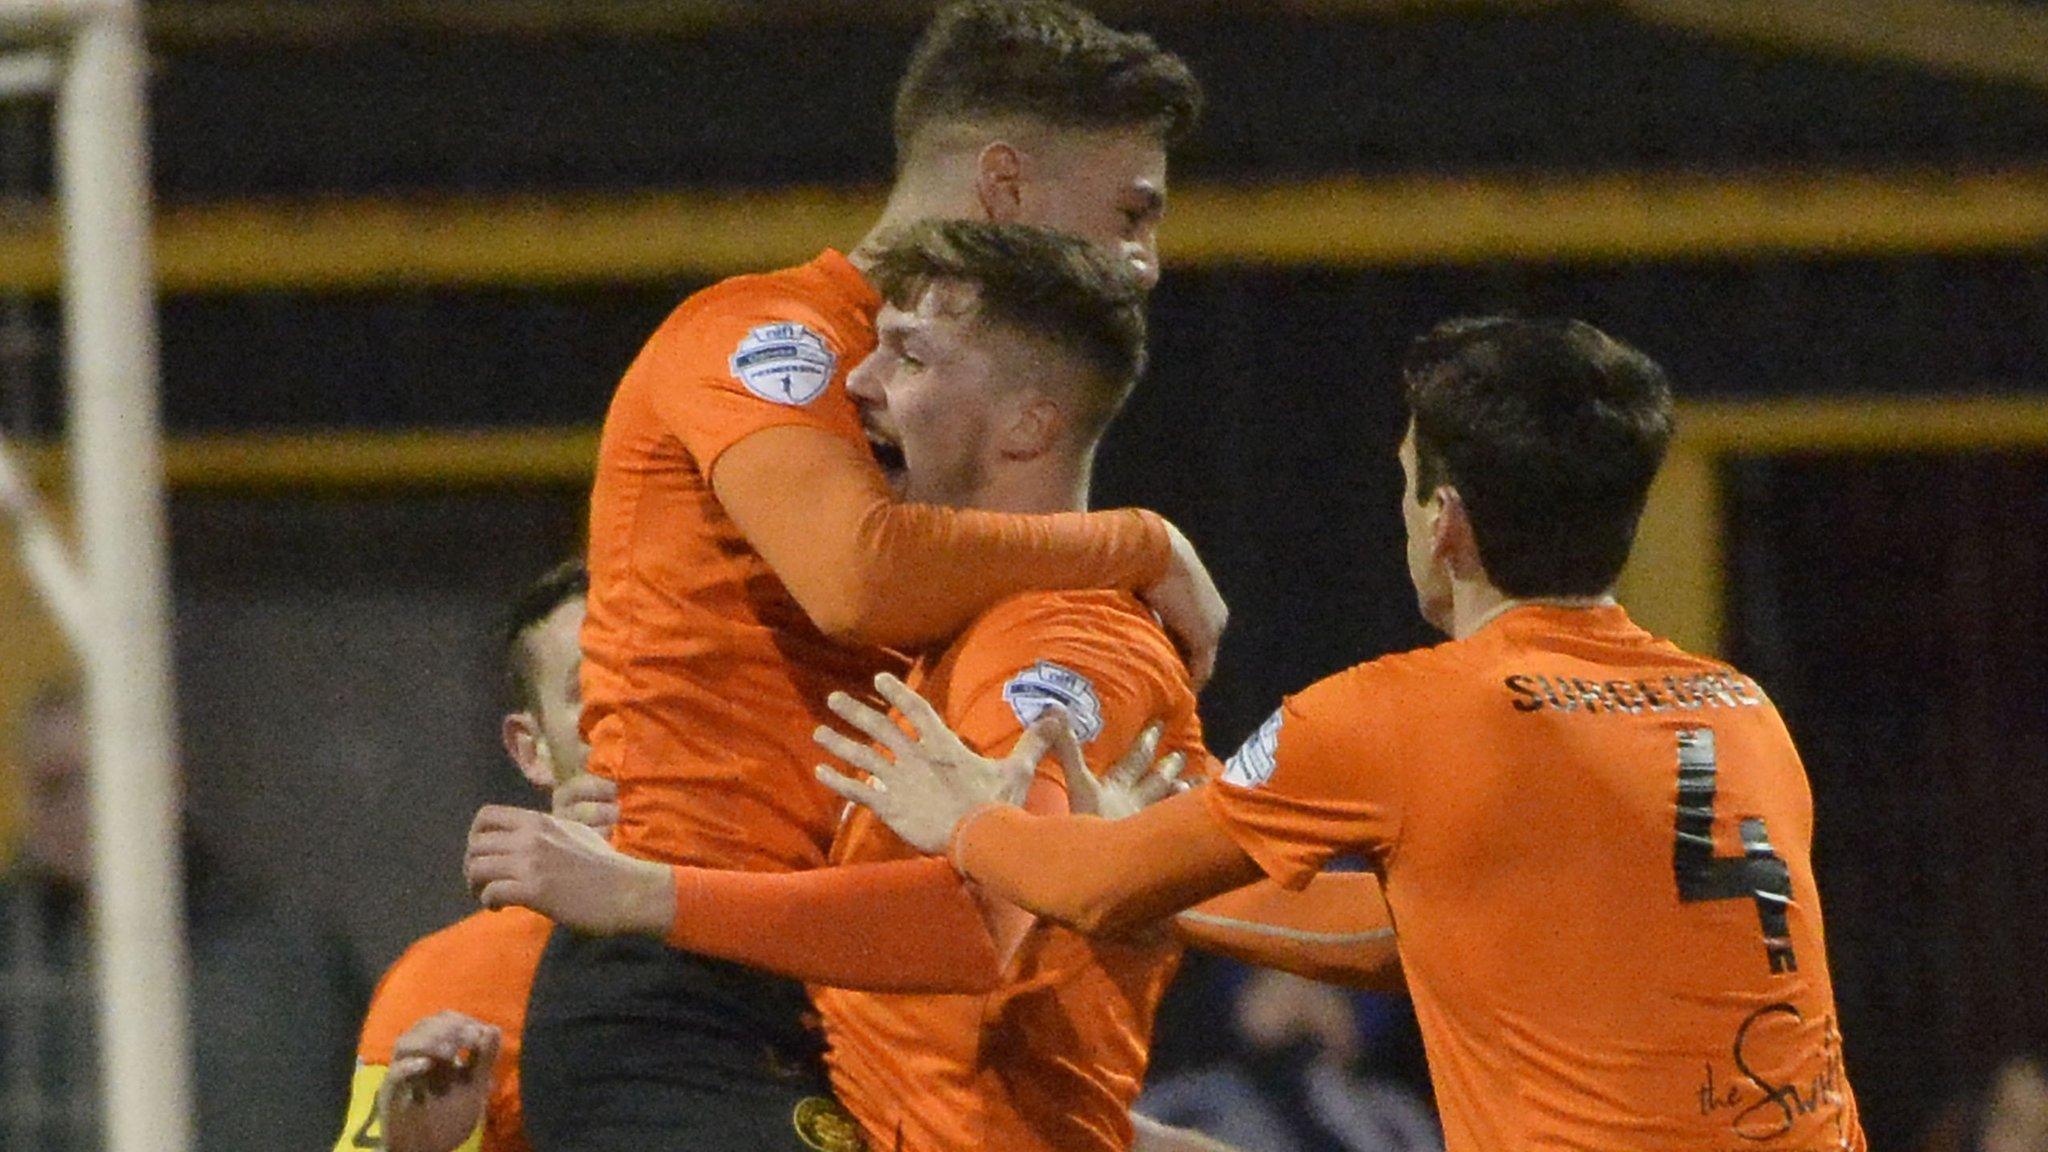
<point x="338" y="681"/>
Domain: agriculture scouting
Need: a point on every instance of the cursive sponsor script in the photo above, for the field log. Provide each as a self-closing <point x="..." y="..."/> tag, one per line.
<point x="1761" y="1109"/>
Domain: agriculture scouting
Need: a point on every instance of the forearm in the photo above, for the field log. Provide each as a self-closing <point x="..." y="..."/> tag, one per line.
<point x="901" y="926"/>
<point x="1102" y="876"/>
<point x="868" y="569"/>
<point x="1337" y="930"/>
<point x="922" y="572"/>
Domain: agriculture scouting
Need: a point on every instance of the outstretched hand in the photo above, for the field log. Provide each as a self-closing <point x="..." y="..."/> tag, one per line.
<point x="1135" y="782"/>
<point x="930" y="780"/>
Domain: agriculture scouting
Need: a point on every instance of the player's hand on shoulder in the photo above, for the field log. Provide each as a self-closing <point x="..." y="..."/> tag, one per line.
<point x="590" y="800"/>
<point x="439" y="1083"/>
<point x="929" y="780"/>
<point x="1133" y="783"/>
<point x="1190" y="607"/>
<point x="567" y="872"/>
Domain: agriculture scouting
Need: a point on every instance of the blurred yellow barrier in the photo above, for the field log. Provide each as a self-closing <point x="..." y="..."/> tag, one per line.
<point x="541" y="240"/>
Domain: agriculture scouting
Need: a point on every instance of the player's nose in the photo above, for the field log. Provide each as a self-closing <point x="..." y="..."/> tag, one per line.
<point x="861" y="385"/>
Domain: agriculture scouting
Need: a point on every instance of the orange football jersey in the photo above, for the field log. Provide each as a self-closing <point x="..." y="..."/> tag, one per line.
<point x="702" y="677"/>
<point x="1053" y="1058"/>
<point x="481" y="966"/>
<point x="1596" y="851"/>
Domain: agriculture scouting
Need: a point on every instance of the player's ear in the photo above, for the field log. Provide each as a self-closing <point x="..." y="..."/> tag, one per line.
<point x="1034" y="427"/>
<point x="529" y="752"/>
<point x="999" y="182"/>
<point x="1452" y="539"/>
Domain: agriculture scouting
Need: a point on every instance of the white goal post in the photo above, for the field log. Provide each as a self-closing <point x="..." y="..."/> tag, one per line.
<point x="110" y="595"/>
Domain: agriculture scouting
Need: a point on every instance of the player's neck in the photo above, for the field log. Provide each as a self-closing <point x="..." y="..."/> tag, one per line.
<point x="916" y="197"/>
<point x="1038" y="487"/>
<point x="1477" y="603"/>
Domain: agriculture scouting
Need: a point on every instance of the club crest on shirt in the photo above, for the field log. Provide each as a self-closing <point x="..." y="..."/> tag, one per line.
<point x="784" y="364"/>
<point x="825" y="1127"/>
<point x="1255" y="761"/>
<point x="1030" y="692"/>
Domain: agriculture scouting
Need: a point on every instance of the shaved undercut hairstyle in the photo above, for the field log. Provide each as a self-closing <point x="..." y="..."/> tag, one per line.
<point x="1045" y="284"/>
<point x="566" y="581"/>
<point x="1043" y="60"/>
<point x="1550" y="431"/>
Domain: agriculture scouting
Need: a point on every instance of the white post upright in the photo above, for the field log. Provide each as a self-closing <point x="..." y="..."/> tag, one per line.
<point x="117" y="483"/>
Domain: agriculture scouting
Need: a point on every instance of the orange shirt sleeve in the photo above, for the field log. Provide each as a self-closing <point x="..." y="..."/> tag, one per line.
<point x="696" y="372"/>
<point x="752" y="386"/>
<point x="1103" y="876"/>
<point x="868" y="569"/>
<point x="1315" y="782"/>
<point x="896" y="926"/>
<point x="1336" y="930"/>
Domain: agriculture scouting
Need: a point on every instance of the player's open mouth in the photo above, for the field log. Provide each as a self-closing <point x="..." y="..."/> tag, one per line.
<point x="888" y="453"/>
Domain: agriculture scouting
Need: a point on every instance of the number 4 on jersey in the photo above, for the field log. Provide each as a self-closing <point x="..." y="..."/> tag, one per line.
<point x="1758" y="873"/>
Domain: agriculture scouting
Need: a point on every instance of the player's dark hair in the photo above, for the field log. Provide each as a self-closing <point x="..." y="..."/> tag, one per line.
<point x="1050" y="61"/>
<point x="566" y="581"/>
<point x="1551" y="431"/>
<point x="1046" y="284"/>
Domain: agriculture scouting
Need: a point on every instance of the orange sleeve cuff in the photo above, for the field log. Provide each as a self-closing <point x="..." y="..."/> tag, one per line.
<point x="901" y="926"/>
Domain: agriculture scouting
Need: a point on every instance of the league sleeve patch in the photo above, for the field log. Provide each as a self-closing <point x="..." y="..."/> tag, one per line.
<point x="1030" y="692"/>
<point x="784" y="364"/>
<point x="1253" y="764"/>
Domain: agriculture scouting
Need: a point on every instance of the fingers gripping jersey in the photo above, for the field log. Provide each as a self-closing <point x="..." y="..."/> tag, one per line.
<point x="481" y="966"/>
<point x="1054" y="1058"/>
<point x="1596" y="848"/>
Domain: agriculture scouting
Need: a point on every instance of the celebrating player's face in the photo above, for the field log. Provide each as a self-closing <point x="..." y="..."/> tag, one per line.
<point x="1108" y="188"/>
<point x="930" y="396"/>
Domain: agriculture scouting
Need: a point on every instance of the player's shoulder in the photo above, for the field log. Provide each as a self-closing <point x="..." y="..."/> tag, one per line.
<point x="1098" y="629"/>
<point x="806" y="295"/>
<point x="1393" y="679"/>
<point x="1075" y="649"/>
<point x="467" y="966"/>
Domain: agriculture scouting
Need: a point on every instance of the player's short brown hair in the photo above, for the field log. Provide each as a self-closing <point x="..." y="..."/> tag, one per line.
<point x="1550" y="431"/>
<point x="569" y="580"/>
<point x="1046" y="284"/>
<point x="1049" y="61"/>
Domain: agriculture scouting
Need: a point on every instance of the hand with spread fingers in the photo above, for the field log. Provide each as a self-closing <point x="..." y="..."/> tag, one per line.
<point x="929" y="780"/>
<point x="1135" y="783"/>
<point x="439" y="1083"/>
